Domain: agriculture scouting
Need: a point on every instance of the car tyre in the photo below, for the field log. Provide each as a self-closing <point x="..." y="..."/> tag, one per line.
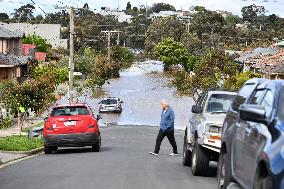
<point x="262" y="182"/>
<point x="47" y="149"/>
<point x="199" y="160"/>
<point x="224" y="171"/>
<point x="186" y="158"/>
<point x="96" y="147"/>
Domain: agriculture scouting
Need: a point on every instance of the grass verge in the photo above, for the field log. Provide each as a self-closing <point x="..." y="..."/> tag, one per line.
<point x="19" y="143"/>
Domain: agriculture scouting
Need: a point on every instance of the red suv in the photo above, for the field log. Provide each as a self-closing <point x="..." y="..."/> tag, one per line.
<point x="71" y="125"/>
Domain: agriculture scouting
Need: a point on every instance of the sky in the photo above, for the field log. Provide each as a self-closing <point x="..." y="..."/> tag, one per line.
<point x="272" y="6"/>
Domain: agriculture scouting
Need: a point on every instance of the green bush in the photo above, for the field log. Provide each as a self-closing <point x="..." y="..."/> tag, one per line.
<point x="6" y="123"/>
<point x="41" y="43"/>
<point x="19" y="143"/>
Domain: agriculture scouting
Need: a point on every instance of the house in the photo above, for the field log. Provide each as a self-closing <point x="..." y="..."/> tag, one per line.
<point x="275" y="71"/>
<point x="50" y="32"/>
<point x="119" y="15"/>
<point x="12" y="64"/>
<point x="14" y="67"/>
<point x="10" y="42"/>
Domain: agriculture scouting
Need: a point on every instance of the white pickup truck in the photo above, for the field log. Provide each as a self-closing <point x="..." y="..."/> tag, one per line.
<point x="202" y="140"/>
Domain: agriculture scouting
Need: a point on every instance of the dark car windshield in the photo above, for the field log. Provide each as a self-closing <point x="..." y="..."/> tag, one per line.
<point x="219" y="103"/>
<point x="67" y="111"/>
<point x="109" y="101"/>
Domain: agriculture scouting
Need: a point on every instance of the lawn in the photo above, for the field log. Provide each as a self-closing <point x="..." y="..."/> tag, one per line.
<point x="19" y="143"/>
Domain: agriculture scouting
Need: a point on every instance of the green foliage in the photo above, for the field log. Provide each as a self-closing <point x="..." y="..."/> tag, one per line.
<point x="58" y="74"/>
<point x="157" y="7"/>
<point x="24" y="13"/>
<point x="41" y="44"/>
<point x="162" y="28"/>
<point x="251" y="12"/>
<point x="6" y="123"/>
<point x="171" y="52"/>
<point x="102" y="71"/>
<point x="239" y="79"/>
<point x="206" y="21"/>
<point x="191" y="42"/>
<point x="213" y="68"/>
<point x="19" y="143"/>
<point x="122" y="55"/>
<point x="35" y="93"/>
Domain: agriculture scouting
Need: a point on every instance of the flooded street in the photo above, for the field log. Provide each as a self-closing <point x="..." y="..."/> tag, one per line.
<point x="141" y="87"/>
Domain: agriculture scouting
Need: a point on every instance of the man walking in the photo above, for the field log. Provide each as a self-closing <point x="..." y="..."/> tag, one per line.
<point x="166" y="129"/>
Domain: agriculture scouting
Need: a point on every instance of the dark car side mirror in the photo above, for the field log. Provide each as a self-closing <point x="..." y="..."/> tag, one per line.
<point x="251" y="112"/>
<point x="196" y="109"/>
<point x="45" y="119"/>
<point x="99" y="117"/>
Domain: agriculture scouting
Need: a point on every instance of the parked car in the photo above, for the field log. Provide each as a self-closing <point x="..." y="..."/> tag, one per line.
<point x="111" y="104"/>
<point x="252" y="152"/>
<point x="71" y="125"/>
<point x="202" y="140"/>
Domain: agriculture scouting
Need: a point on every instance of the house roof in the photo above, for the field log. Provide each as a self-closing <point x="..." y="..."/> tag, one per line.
<point x="5" y="33"/>
<point x="13" y="60"/>
<point x="276" y="69"/>
<point x="256" y="52"/>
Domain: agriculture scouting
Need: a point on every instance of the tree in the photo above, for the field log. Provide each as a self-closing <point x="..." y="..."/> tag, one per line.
<point x="213" y="68"/>
<point x="206" y="21"/>
<point x="239" y="80"/>
<point x="251" y="12"/>
<point x="41" y="43"/>
<point x="171" y="52"/>
<point x="232" y="20"/>
<point x="122" y="55"/>
<point x="24" y="13"/>
<point x="191" y="42"/>
<point x="157" y="7"/>
<point x="4" y="17"/>
<point x="162" y="28"/>
<point x="61" y="17"/>
<point x="128" y="6"/>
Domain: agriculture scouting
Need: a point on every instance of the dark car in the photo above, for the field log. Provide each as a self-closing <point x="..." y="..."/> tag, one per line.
<point x="71" y="125"/>
<point x="252" y="150"/>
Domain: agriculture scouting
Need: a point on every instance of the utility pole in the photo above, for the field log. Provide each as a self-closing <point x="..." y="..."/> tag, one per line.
<point x="117" y="42"/>
<point x="71" y="57"/>
<point x="108" y="42"/>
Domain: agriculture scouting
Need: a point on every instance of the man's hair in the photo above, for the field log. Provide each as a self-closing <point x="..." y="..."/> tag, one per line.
<point x="165" y="102"/>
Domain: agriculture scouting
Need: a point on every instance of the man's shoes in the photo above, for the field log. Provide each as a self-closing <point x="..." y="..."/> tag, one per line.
<point x="173" y="154"/>
<point x="154" y="154"/>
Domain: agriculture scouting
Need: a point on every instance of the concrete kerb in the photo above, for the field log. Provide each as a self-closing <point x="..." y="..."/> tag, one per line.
<point x="10" y="156"/>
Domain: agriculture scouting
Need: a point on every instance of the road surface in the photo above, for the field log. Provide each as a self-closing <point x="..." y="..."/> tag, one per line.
<point x="123" y="163"/>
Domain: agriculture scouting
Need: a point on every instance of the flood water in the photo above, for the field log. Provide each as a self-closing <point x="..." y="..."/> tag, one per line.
<point x="141" y="87"/>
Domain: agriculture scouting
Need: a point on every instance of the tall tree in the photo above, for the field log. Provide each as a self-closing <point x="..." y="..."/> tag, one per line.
<point x="157" y="7"/>
<point x="206" y="21"/>
<point x="4" y="17"/>
<point x="128" y="6"/>
<point x="24" y="13"/>
<point x="251" y="12"/>
<point x="162" y="28"/>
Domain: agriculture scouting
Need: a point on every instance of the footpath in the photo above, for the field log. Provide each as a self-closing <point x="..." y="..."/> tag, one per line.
<point x="10" y="156"/>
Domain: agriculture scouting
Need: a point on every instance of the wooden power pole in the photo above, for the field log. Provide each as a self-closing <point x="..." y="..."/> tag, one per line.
<point x="108" y="42"/>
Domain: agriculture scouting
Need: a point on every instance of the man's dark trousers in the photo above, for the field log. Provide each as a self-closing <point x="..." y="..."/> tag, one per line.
<point x="171" y="137"/>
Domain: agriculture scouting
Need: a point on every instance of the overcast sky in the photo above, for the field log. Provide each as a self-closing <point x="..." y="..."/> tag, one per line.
<point x="272" y="6"/>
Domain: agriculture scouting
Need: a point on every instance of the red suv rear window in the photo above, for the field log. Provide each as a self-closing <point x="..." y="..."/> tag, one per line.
<point x="69" y="111"/>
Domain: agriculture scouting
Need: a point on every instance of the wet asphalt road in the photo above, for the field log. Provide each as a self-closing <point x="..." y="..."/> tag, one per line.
<point x="123" y="163"/>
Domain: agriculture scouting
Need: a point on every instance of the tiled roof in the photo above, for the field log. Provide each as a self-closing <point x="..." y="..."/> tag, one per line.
<point x="13" y="60"/>
<point x="274" y="69"/>
<point x="4" y="33"/>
